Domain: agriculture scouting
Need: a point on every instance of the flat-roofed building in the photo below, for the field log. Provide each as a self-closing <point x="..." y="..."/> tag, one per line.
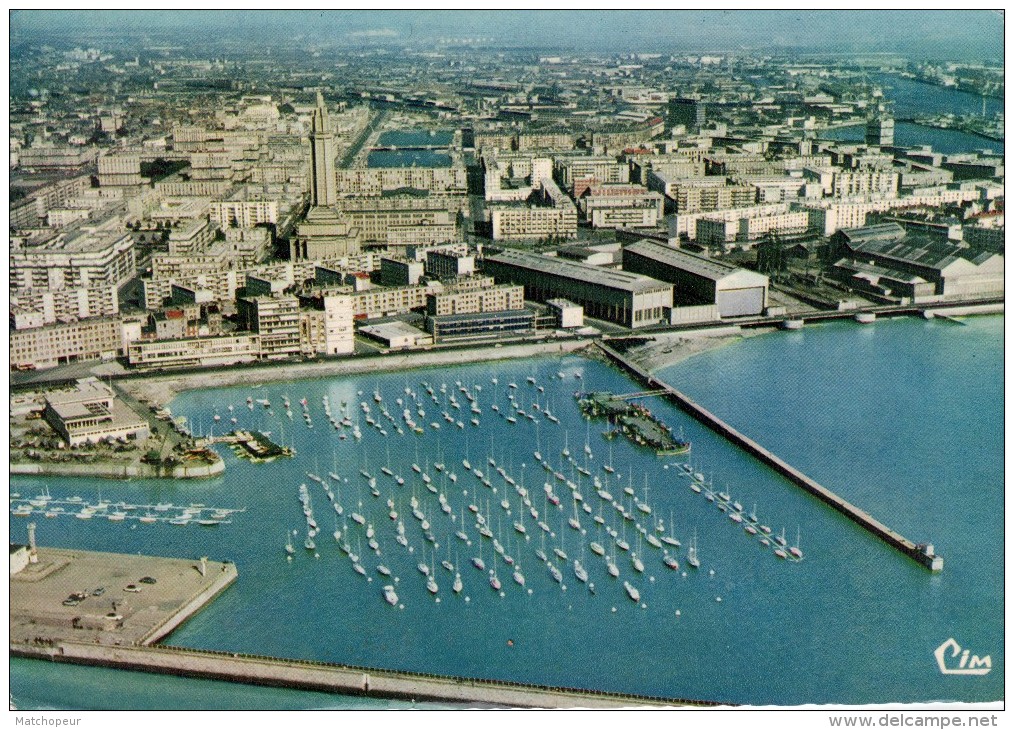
<point x="194" y="352"/>
<point x="79" y="259"/>
<point x="548" y="213"/>
<point x="494" y="299"/>
<point x="698" y="280"/>
<point x="400" y="272"/>
<point x="326" y="324"/>
<point x="568" y="314"/>
<point x="480" y="324"/>
<point x="449" y="264"/>
<point x="63" y="305"/>
<point x="396" y="335"/>
<point x="98" y="338"/>
<point x="626" y="298"/>
<point x="376" y="180"/>
<point x="89" y="412"/>
<point x="276" y="320"/>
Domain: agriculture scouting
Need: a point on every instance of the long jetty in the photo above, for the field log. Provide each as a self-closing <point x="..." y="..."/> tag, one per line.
<point x="337" y="678"/>
<point x="922" y="554"/>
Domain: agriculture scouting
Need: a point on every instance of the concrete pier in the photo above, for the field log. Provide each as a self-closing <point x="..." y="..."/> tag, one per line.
<point x="923" y="554"/>
<point x="337" y="678"/>
<point x="118" y="599"/>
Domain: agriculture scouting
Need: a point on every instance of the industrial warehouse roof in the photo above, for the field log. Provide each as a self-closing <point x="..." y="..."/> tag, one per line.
<point x="692" y="263"/>
<point x="622" y="280"/>
<point x="912" y="248"/>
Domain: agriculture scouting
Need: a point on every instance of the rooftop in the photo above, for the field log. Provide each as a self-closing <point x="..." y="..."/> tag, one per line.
<point x="622" y="280"/>
<point x="684" y="260"/>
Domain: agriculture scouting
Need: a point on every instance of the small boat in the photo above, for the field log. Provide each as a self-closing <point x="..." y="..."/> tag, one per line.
<point x="580" y="572"/>
<point x="692" y="554"/>
<point x="555" y="572"/>
<point x="308" y="543"/>
<point x="635" y="596"/>
<point x="671" y="562"/>
<point x="560" y="554"/>
<point x="390" y="596"/>
<point x="795" y="550"/>
<point x="494" y="582"/>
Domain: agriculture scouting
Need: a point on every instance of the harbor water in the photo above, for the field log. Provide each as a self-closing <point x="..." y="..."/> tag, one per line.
<point x="904" y="418"/>
<point x="914" y="98"/>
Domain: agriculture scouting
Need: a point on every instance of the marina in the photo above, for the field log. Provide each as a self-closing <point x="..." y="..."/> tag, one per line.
<point x="922" y="553"/>
<point x="320" y="595"/>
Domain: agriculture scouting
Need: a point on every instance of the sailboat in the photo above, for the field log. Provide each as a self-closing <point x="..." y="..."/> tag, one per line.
<point x="795" y="549"/>
<point x="669" y="539"/>
<point x="692" y="553"/>
<point x="477" y="561"/>
<point x="635" y="596"/>
<point x="609" y="467"/>
<point x="288" y="545"/>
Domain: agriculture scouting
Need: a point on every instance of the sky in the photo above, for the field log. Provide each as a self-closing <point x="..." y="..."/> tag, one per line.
<point x="929" y="33"/>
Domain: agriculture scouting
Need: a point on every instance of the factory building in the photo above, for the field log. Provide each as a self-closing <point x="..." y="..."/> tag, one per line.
<point x="892" y="255"/>
<point x="629" y="299"/>
<point x="699" y="280"/>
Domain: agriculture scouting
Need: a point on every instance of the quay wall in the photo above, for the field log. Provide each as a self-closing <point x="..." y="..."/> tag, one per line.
<point x="335" y="678"/>
<point x="857" y="515"/>
<point x="224" y="579"/>
<point x="164" y="387"/>
<point x="117" y="471"/>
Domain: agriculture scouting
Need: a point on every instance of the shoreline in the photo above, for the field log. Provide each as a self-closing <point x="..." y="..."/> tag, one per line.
<point x="163" y="388"/>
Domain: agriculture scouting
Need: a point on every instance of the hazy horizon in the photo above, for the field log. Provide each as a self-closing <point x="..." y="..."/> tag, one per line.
<point x="958" y="34"/>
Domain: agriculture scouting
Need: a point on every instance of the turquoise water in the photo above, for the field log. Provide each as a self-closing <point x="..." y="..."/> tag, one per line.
<point x="407" y="158"/>
<point x="906" y="134"/>
<point x="912" y="99"/>
<point x="902" y="417"/>
<point x="415" y="138"/>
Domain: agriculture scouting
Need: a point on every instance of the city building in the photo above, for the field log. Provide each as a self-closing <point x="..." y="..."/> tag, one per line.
<point x="275" y="320"/>
<point x="97" y="338"/>
<point x="626" y="298"/>
<point x="89" y="412"/>
<point x="449" y="264"/>
<point x="400" y="272"/>
<point x="568" y="314"/>
<point x="194" y="352"/>
<point x="493" y="299"/>
<point x="72" y="259"/>
<point x="480" y="324"/>
<point x="324" y="233"/>
<point x="698" y="280"/>
<point x="396" y="335"/>
<point x="548" y="213"/>
<point x="690" y="114"/>
<point x="326" y="324"/>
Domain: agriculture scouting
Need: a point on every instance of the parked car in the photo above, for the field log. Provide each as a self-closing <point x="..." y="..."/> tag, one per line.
<point x="148" y="580"/>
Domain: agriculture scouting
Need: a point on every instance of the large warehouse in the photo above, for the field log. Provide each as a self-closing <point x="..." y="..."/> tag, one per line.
<point x="617" y="296"/>
<point x="699" y="280"/>
<point x="952" y="269"/>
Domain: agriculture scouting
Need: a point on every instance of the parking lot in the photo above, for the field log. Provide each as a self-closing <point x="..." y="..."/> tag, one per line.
<point x="105" y="598"/>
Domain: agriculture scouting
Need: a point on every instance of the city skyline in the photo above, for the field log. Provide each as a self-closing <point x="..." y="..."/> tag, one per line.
<point x="965" y="34"/>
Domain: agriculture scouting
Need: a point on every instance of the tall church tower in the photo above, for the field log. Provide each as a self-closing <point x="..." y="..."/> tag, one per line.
<point x="322" y="184"/>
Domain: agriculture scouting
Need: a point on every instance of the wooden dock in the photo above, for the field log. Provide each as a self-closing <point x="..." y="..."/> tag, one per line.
<point x="921" y="553"/>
